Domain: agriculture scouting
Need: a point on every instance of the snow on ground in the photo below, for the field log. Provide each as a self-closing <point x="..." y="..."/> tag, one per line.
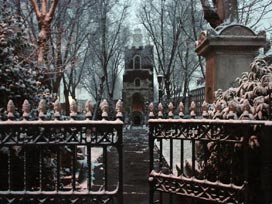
<point x="176" y="152"/>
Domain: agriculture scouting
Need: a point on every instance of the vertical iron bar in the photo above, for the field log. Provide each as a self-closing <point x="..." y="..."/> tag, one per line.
<point x="171" y="167"/>
<point x="170" y="198"/>
<point x="218" y="159"/>
<point x="246" y="162"/>
<point x="25" y="167"/>
<point x="231" y="163"/>
<point x="270" y="106"/>
<point x="105" y="158"/>
<point x="74" y="167"/>
<point x="151" y="148"/>
<point x="193" y="157"/>
<point x="120" y="152"/>
<point x="171" y="155"/>
<point x="206" y="153"/>
<point x="161" y="165"/>
<point x="161" y="197"/>
<point x="89" y="177"/>
<point x="266" y="165"/>
<point x="181" y="156"/>
<point x="9" y="169"/>
<point x="161" y="159"/>
<point x="151" y="161"/>
<point x="58" y="168"/>
<point x="41" y="167"/>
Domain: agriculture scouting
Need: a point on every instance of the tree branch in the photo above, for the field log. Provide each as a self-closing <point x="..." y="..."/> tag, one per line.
<point x="35" y="8"/>
<point x="52" y="8"/>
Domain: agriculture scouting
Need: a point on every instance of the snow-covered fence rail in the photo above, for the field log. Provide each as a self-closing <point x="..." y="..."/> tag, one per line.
<point x="60" y="160"/>
<point x="214" y="158"/>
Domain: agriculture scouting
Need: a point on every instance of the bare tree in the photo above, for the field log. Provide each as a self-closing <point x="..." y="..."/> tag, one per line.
<point x="188" y="66"/>
<point x="173" y="27"/>
<point x="70" y="45"/>
<point x="106" y="54"/>
<point x="44" y="14"/>
<point x="163" y="22"/>
<point x="254" y="13"/>
<point x="109" y="41"/>
<point x="62" y="41"/>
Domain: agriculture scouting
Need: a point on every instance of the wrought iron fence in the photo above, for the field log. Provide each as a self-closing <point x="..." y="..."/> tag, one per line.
<point x="205" y="160"/>
<point x="60" y="160"/>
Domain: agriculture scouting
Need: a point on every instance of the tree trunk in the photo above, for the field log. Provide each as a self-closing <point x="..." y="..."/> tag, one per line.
<point x="43" y="38"/>
<point x="44" y="17"/>
<point x="167" y="88"/>
<point x="18" y="4"/>
<point x="67" y="104"/>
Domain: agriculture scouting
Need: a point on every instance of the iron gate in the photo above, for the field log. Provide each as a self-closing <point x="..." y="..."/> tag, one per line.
<point x="213" y="161"/>
<point x="60" y="161"/>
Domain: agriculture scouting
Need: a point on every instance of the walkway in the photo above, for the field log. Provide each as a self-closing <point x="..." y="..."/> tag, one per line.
<point x="136" y="166"/>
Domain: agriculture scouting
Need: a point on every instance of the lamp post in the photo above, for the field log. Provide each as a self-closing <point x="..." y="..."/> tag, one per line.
<point x="160" y="81"/>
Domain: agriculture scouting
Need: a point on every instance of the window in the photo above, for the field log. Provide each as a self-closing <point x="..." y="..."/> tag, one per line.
<point x="137" y="82"/>
<point x="137" y="62"/>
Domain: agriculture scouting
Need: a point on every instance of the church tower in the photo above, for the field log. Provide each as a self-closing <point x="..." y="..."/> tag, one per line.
<point x="138" y="80"/>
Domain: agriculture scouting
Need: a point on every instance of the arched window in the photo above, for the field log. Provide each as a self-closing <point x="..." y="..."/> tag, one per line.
<point x="137" y="62"/>
<point x="137" y="82"/>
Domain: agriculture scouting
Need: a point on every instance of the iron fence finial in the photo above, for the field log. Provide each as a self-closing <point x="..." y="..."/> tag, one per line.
<point x="160" y="110"/>
<point x="57" y="109"/>
<point x="88" y="109"/>
<point x="42" y="109"/>
<point x="104" y="106"/>
<point x="181" y="109"/>
<point x="151" y="110"/>
<point x="26" y="109"/>
<point x="10" y="110"/>
<point x="171" y="109"/>
<point x="73" y="109"/>
<point x="118" y="109"/>
<point x="192" y="109"/>
<point x="205" y="113"/>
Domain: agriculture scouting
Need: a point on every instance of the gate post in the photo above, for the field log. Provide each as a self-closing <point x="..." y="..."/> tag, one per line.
<point x="266" y="165"/>
<point x="228" y="51"/>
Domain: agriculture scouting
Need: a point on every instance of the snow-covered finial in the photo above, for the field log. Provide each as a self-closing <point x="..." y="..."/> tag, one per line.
<point x="88" y="109"/>
<point x="181" y="109"/>
<point x="118" y="109"/>
<point x="11" y="110"/>
<point x="73" y="109"/>
<point x="205" y="113"/>
<point x="26" y="109"/>
<point x="42" y="109"/>
<point x="104" y="106"/>
<point x="192" y="109"/>
<point x="160" y="110"/>
<point x="151" y="110"/>
<point x="57" y="109"/>
<point x="171" y="109"/>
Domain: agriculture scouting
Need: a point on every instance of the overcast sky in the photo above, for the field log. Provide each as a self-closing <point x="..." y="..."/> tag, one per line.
<point x="135" y="23"/>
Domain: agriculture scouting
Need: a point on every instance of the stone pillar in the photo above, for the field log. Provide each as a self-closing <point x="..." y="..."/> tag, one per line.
<point x="228" y="51"/>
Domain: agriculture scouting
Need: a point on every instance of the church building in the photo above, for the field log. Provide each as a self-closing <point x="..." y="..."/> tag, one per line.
<point x="138" y="80"/>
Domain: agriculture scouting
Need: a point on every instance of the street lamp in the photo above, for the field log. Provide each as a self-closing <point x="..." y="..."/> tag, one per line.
<point x="160" y="81"/>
